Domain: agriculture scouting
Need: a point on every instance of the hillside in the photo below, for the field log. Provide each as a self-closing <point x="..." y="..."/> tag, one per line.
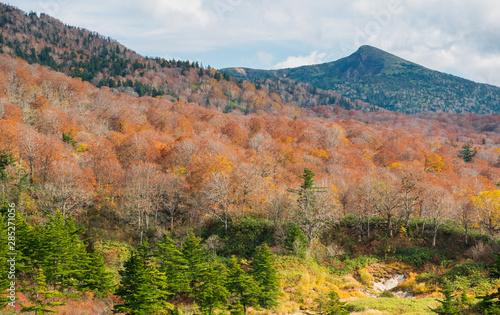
<point x="390" y="82"/>
<point x="102" y="61"/>
<point x="228" y="196"/>
<point x="127" y="167"/>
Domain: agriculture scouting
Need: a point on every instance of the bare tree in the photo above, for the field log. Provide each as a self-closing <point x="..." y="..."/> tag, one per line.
<point x="438" y="205"/>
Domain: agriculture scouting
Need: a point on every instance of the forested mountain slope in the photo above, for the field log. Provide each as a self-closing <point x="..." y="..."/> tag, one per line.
<point x="385" y="80"/>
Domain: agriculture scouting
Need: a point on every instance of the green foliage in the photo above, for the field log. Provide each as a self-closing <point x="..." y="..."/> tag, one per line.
<point x="387" y="294"/>
<point x="193" y="254"/>
<point x="468" y="274"/>
<point x="308" y="179"/>
<point x="449" y="306"/>
<point x="264" y="273"/>
<point x="331" y="305"/>
<point x="246" y="234"/>
<point x="296" y="241"/>
<point x="4" y="265"/>
<point x="467" y="152"/>
<point x="415" y="256"/>
<point x="348" y="265"/>
<point x="490" y="303"/>
<point x="68" y="138"/>
<point x="60" y="251"/>
<point x="211" y="294"/>
<point x="242" y="286"/>
<point x="40" y="296"/>
<point x="173" y="265"/>
<point x="96" y="277"/>
<point x="206" y="281"/>
<point x="141" y="287"/>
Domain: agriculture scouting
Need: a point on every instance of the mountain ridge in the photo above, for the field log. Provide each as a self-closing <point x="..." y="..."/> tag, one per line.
<point x="386" y="80"/>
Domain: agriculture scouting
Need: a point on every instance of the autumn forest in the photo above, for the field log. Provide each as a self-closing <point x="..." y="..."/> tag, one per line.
<point x="146" y="186"/>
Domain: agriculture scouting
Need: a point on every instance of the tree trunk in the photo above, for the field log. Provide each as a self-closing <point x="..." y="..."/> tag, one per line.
<point x="368" y="234"/>
<point x="466" y="227"/>
<point x="435" y="233"/>
<point x="389" y="224"/>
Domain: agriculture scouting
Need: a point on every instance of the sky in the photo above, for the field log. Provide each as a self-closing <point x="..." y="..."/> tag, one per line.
<point x="460" y="37"/>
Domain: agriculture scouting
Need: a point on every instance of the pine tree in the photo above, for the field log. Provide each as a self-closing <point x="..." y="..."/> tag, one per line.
<point x="449" y="304"/>
<point x="331" y="305"/>
<point x="490" y="304"/>
<point x="40" y="296"/>
<point x="141" y="286"/>
<point x="211" y="294"/>
<point x="61" y="252"/>
<point x="172" y="263"/>
<point x="192" y="252"/>
<point x="244" y="288"/>
<point x="96" y="277"/>
<point x="206" y="283"/>
<point x="467" y="152"/>
<point x="308" y="179"/>
<point x="4" y="267"/>
<point x="264" y="273"/>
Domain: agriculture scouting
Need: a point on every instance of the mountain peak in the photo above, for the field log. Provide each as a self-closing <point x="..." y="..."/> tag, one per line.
<point x="386" y="80"/>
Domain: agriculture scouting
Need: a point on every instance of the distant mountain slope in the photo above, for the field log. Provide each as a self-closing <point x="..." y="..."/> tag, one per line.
<point x="383" y="79"/>
<point x="102" y="61"/>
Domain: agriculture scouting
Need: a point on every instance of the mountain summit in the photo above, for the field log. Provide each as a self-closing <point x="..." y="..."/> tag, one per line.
<point x="383" y="79"/>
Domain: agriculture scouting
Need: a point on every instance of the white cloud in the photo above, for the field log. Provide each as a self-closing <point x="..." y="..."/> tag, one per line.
<point x="297" y="61"/>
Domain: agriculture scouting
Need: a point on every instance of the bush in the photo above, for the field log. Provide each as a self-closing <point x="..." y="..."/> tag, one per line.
<point x="415" y="256"/>
<point x="387" y="294"/>
<point x="349" y="265"/>
<point x="296" y="241"/>
<point x="245" y="235"/>
<point x="469" y="275"/>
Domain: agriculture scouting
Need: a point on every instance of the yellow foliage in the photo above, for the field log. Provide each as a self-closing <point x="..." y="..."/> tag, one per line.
<point x="320" y="154"/>
<point x="434" y="163"/>
<point x="488" y="203"/>
<point x="82" y="148"/>
<point x="180" y="170"/>
<point x="395" y="165"/>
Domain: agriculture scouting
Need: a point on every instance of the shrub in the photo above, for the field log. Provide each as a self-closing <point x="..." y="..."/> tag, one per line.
<point x="245" y="235"/>
<point x="349" y="265"/>
<point x="415" y="256"/>
<point x="387" y="294"/>
<point x="296" y="241"/>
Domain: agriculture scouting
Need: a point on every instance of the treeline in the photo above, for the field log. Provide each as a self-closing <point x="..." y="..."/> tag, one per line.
<point x="54" y="260"/>
<point x="51" y="261"/>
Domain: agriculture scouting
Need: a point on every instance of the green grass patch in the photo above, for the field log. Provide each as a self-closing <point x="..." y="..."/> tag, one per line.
<point x="395" y="306"/>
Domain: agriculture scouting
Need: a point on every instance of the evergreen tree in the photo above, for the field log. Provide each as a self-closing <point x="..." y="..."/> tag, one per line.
<point x="4" y="266"/>
<point x="141" y="286"/>
<point x="211" y="294"/>
<point x="192" y="252"/>
<point x="490" y="304"/>
<point x="296" y="241"/>
<point x="242" y="286"/>
<point x="61" y="252"/>
<point x="331" y="305"/>
<point x="308" y="179"/>
<point x="264" y="273"/>
<point x="96" y="277"/>
<point x="313" y="212"/>
<point x="172" y="263"/>
<point x="467" y="152"/>
<point x="449" y="304"/>
<point x="40" y="296"/>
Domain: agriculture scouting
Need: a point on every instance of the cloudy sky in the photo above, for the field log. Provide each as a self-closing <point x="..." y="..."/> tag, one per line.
<point x="461" y="37"/>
